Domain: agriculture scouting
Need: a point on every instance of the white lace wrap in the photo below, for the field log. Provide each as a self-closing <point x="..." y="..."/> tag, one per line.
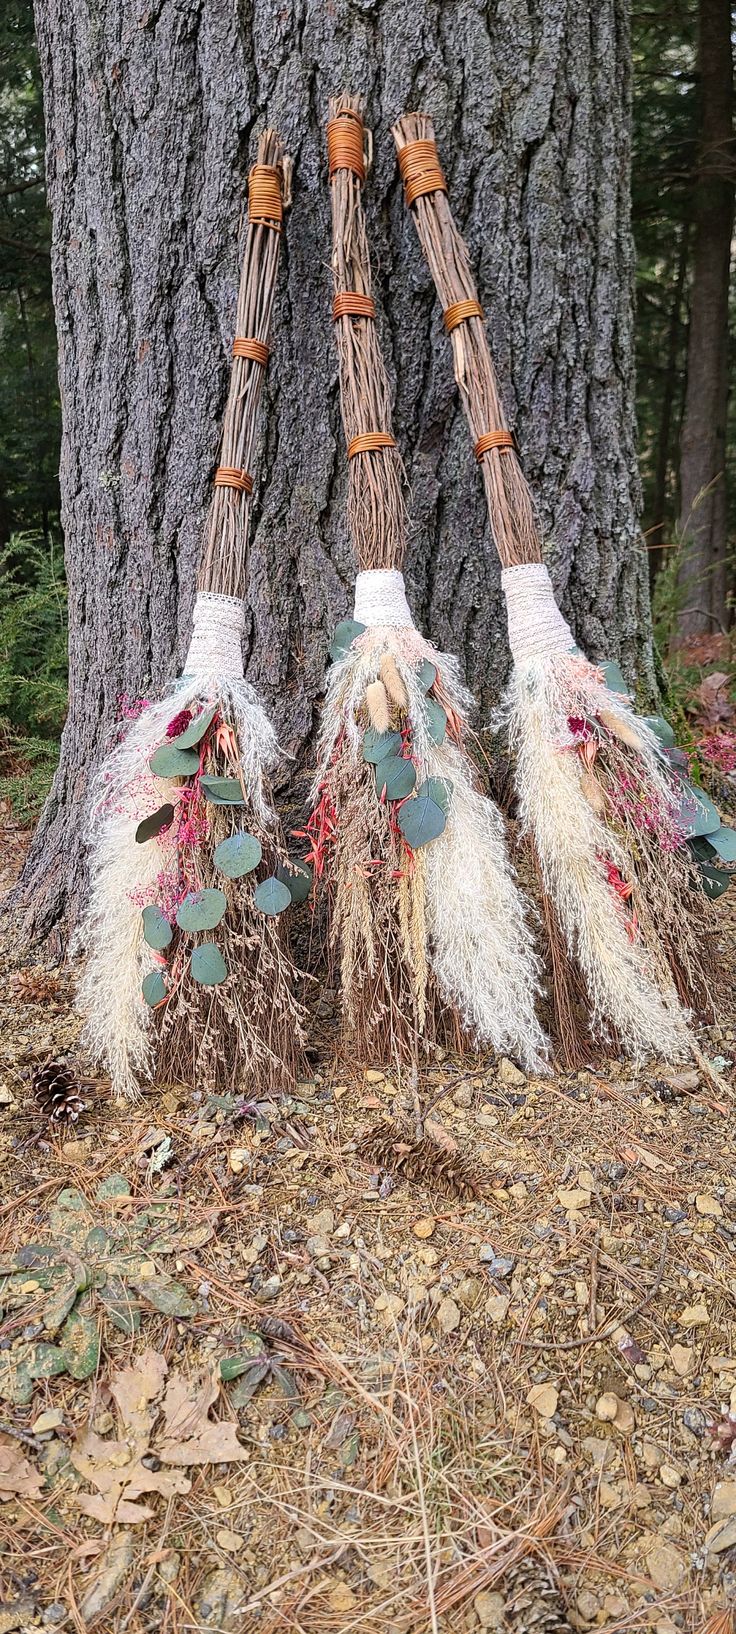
<point x="380" y="598"/>
<point x="536" y="626"/>
<point x="216" y="647"/>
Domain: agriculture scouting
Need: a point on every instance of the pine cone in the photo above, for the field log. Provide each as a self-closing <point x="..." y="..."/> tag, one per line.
<point x="35" y="985"/>
<point x="58" y="1092"/>
<point x="533" y="1604"/>
<point x="424" y="1162"/>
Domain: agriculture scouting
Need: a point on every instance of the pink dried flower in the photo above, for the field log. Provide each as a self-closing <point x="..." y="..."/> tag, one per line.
<point x="129" y="709"/>
<point x="720" y="749"/>
<point x="578" y="726"/>
<point x="179" y="724"/>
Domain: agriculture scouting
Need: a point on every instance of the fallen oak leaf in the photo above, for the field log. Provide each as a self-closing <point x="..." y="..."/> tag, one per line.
<point x="18" y="1478"/>
<point x="189" y="1435"/>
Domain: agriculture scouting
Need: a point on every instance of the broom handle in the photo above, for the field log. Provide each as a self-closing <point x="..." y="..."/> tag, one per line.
<point x="376" y="508"/>
<point x="510" y="506"/>
<point x="223" y="567"/>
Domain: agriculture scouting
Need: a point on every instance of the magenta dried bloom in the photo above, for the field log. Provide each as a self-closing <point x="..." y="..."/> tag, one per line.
<point x="179" y="723"/>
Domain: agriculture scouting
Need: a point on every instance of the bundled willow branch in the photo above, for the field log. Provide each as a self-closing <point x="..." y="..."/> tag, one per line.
<point x="600" y="791"/>
<point x="188" y="969"/>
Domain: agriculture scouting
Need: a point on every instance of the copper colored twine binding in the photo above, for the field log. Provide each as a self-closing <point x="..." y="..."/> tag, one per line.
<point x="256" y="350"/>
<point x="421" y="171"/>
<point x="265" y="205"/>
<point x="369" y="443"/>
<point x="345" y="149"/>
<point x="349" y="304"/>
<point x="226" y="476"/>
<point x="502" y="440"/>
<point x="459" y="312"/>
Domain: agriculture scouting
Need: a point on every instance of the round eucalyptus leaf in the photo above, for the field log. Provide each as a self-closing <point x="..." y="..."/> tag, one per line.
<point x="151" y="826"/>
<point x="345" y="634"/>
<point x="207" y="965"/>
<point x="715" y="881"/>
<point x="237" y="855"/>
<point x="272" y="896"/>
<point x="436" y="720"/>
<point x="201" y="910"/>
<point x="222" y="791"/>
<point x="614" y="678"/>
<point x="661" y="729"/>
<point x="702" y="849"/>
<point x="170" y="762"/>
<point x="426" y="675"/>
<point x="421" y="820"/>
<point x="157" y="931"/>
<point x="154" y="988"/>
<point x="438" y="789"/>
<point x="678" y="761"/>
<point x="395" y="778"/>
<point x="196" y="729"/>
<point x="297" y="878"/>
<point x="698" y="814"/>
<point x="377" y="745"/>
<point x="723" y="842"/>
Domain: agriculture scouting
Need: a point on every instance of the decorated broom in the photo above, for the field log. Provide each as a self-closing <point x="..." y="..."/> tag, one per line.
<point x="424" y="909"/>
<point x="186" y="965"/>
<point x="622" y="841"/>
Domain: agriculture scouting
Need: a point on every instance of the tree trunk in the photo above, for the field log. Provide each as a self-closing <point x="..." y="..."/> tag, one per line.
<point x="703" y="511"/>
<point x="151" y="117"/>
<point x="656" y="535"/>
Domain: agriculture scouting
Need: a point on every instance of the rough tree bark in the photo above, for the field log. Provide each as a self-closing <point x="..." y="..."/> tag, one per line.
<point x="703" y="512"/>
<point x="152" y="107"/>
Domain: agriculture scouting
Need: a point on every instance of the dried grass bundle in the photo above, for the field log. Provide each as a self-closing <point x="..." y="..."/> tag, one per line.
<point x="600" y="790"/>
<point x="188" y="865"/>
<point x="424" y="909"/>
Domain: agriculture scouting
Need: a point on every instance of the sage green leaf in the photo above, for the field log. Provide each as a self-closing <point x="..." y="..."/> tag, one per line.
<point x="698" y="814"/>
<point x="79" y="1344"/>
<point x="153" y="988"/>
<point x="151" y="826"/>
<point x="426" y="675"/>
<point x="196" y="729"/>
<point x="238" y="855"/>
<point x="614" y="678"/>
<point x="439" y="789"/>
<point x="436" y="719"/>
<point x="297" y="878"/>
<point x="96" y="1241"/>
<point x="207" y="965"/>
<point x="702" y="849"/>
<point x="115" y="1185"/>
<point x="233" y="1367"/>
<point x="723" y="842"/>
<point x="345" y="634"/>
<point x="421" y="820"/>
<point x="222" y="791"/>
<point x="715" y="881"/>
<point x="395" y="778"/>
<point x="661" y="729"/>
<point x="246" y="1386"/>
<point x="377" y="745"/>
<point x="170" y="1298"/>
<point x="170" y="762"/>
<point x="201" y="910"/>
<point x="272" y="896"/>
<point x="58" y="1305"/>
<point x="46" y="1362"/>
<point x="678" y="761"/>
<point x="119" y="1307"/>
<point x="284" y="1380"/>
<point x="157" y="931"/>
<point x="16" y="1384"/>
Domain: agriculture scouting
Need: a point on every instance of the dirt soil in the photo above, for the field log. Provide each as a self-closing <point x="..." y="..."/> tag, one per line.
<point x="268" y="1366"/>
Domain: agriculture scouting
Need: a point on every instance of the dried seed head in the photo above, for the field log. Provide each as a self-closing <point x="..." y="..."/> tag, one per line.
<point x="590" y="787"/>
<point x="620" y="728"/>
<point x="377" y="703"/>
<point x="389" y="673"/>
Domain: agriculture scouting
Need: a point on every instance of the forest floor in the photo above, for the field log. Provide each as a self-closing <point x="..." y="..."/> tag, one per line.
<point x="260" y="1369"/>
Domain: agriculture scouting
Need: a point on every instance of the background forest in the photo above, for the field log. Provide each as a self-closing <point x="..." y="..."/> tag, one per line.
<point x="683" y="213"/>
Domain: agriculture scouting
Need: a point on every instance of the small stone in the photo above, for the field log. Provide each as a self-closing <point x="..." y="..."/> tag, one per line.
<point x="543" y="1399"/>
<point x="230" y="1541"/>
<point x="587" y="1605"/>
<point x="489" y="1610"/>
<point x="724" y="1500"/>
<point x="510" y="1074"/>
<point x="372" y="1076"/>
<point x="669" y="1477"/>
<point x="425" y="1227"/>
<point x="77" y="1151"/>
<point x="577" y="1197"/>
<point x="665" y="1565"/>
<point x="223" y="1496"/>
<point x="497" y="1306"/>
<point x="674" y="1215"/>
<point x="708" y="1206"/>
<point x="51" y="1420"/>
<point x="55" y="1614"/>
<point x="694" y="1316"/>
<point x="682" y="1359"/>
<point x="448" y="1315"/>
<point x="237" y="1158"/>
<point x="321" y="1224"/>
<point x="694" y="1420"/>
<point x="722" y="1536"/>
<point x="389" y="1308"/>
<point x="607" y="1407"/>
<point x="498" y="1265"/>
<point x="624" y="1420"/>
<point x="270" y="1289"/>
<point x="610" y="1495"/>
<point x="463" y="1096"/>
<point x="341" y="1598"/>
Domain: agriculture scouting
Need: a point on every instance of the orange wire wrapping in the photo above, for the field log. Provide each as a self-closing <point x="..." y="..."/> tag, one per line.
<point x="256" y="350"/>
<point x="349" y="304"/>
<point x="502" y="440"/>
<point x="228" y="476"/>
<point x="369" y="442"/>
<point x="459" y="312"/>
<point x="421" y="171"/>
<point x="265" y="205"/>
<point x="345" y="145"/>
